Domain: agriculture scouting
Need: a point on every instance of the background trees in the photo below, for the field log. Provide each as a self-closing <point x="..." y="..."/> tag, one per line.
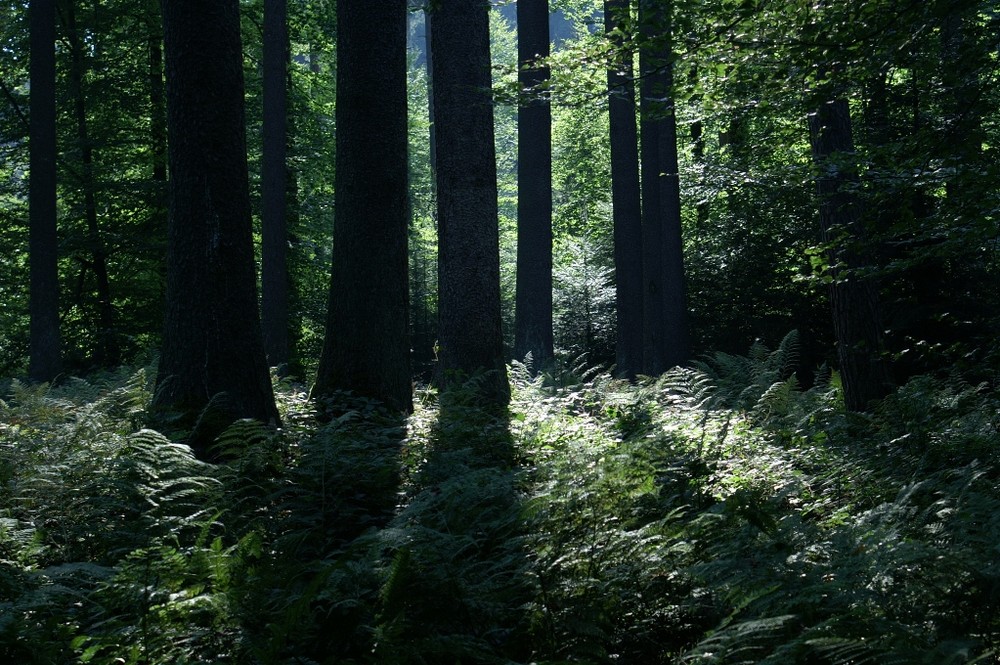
<point x="918" y="92"/>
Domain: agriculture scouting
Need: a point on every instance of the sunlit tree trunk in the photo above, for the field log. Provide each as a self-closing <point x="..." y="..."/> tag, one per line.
<point x="533" y="299"/>
<point x="625" y="199"/>
<point x="470" y="337"/>
<point x="212" y="366"/>
<point x="665" y="337"/>
<point x="367" y="348"/>
<point x="45" y="344"/>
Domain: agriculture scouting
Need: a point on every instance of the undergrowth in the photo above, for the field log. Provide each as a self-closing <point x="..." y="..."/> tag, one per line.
<point x="717" y="514"/>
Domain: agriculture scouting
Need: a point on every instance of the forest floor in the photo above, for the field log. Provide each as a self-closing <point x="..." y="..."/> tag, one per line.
<point x="718" y="514"/>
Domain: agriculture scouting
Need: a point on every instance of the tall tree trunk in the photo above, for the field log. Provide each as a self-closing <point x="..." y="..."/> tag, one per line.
<point x="470" y="340"/>
<point x="853" y="297"/>
<point x="107" y="352"/>
<point x="625" y="199"/>
<point x="665" y="338"/>
<point x="367" y="346"/>
<point x="45" y="361"/>
<point x="274" y="188"/>
<point x="533" y="298"/>
<point x="212" y="366"/>
<point x="432" y="138"/>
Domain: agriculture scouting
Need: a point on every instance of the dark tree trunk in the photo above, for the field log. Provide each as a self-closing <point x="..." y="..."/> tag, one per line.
<point x="533" y="299"/>
<point x="367" y="347"/>
<point x="853" y="297"/>
<point x="665" y="337"/>
<point x="107" y="352"/>
<point x="274" y="188"/>
<point x="470" y="339"/>
<point x="625" y="198"/>
<point x="212" y="367"/>
<point x="45" y="345"/>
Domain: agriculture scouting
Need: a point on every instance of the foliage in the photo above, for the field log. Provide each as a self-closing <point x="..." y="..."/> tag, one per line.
<point x="718" y="514"/>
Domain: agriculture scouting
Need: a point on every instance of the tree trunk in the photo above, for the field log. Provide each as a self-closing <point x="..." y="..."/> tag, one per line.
<point x="367" y="346"/>
<point x="853" y="297"/>
<point x="533" y="298"/>
<point x="665" y="338"/>
<point x="45" y="361"/>
<point x="107" y="352"/>
<point x="625" y="197"/>
<point x="468" y="247"/>
<point x="212" y="367"/>
<point x="428" y="37"/>
<point x="274" y="208"/>
<point x="158" y="118"/>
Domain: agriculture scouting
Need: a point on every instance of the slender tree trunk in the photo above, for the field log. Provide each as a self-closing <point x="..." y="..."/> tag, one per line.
<point x="533" y="298"/>
<point x="853" y="297"/>
<point x="698" y="156"/>
<point x="625" y="197"/>
<point x="471" y="339"/>
<point x="424" y="328"/>
<point x="430" y="94"/>
<point x="367" y="347"/>
<point x="274" y="188"/>
<point x="158" y="117"/>
<point x="212" y="366"/>
<point x="665" y="338"/>
<point x="107" y="353"/>
<point x="45" y="345"/>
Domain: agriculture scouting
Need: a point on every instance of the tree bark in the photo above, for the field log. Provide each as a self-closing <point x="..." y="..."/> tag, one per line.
<point x="665" y="337"/>
<point x="626" y="202"/>
<point x="367" y="346"/>
<point x="212" y="366"/>
<point x="533" y="297"/>
<point x="45" y="362"/>
<point x="470" y="340"/>
<point x="853" y="298"/>
<point x="274" y="188"/>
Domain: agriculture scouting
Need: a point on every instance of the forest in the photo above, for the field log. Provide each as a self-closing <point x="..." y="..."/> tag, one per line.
<point x="426" y="332"/>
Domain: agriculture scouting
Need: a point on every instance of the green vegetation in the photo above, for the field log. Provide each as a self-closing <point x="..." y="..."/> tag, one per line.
<point x="716" y="515"/>
<point x="832" y="497"/>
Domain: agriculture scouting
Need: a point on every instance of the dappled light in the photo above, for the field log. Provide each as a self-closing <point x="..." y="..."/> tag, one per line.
<point x="692" y="518"/>
<point x="508" y="332"/>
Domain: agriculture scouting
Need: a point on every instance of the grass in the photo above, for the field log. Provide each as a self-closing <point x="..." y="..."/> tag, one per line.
<point x="718" y="514"/>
